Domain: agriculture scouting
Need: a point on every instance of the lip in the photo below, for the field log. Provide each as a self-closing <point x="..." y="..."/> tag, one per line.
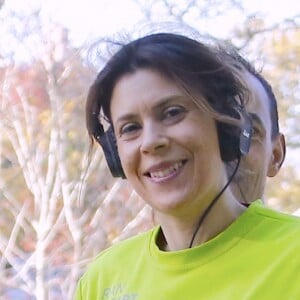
<point x="164" y="171"/>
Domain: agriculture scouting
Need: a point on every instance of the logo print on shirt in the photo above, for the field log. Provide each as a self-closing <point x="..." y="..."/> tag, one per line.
<point x="117" y="292"/>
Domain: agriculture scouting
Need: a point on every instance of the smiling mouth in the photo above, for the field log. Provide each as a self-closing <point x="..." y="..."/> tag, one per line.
<point x="166" y="172"/>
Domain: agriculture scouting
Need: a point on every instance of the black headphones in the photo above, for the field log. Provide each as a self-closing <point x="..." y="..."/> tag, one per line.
<point x="233" y="142"/>
<point x="107" y="140"/>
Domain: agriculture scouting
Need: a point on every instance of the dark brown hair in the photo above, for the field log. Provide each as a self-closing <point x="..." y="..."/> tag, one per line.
<point x="189" y="63"/>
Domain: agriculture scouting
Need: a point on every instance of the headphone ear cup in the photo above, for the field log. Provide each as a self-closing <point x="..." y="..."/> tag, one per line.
<point x="228" y="141"/>
<point x="109" y="145"/>
<point x="245" y="134"/>
<point x="235" y="141"/>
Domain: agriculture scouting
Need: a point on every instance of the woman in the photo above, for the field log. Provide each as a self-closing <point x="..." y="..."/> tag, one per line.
<point x="177" y="114"/>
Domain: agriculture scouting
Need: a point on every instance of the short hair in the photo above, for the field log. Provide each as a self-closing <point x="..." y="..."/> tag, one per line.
<point x="239" y="61"/>
<point x="196" y="69"/>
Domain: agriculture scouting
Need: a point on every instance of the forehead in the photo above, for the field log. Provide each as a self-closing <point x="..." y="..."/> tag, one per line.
<point x="142" y="87"/>
<point x="258" y="102"/>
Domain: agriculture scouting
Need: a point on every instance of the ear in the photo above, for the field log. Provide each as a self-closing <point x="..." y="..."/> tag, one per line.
<point x="278" y="155"/>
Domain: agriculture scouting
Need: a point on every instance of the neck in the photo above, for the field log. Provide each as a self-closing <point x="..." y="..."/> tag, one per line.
<point x="177" y="233"/>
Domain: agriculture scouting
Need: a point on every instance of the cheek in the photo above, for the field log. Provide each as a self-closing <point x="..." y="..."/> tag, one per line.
<point x="256" y="158"/>
<point x="128" y="157"/>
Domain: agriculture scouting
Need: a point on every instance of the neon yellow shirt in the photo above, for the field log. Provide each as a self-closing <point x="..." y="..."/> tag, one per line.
<point x="256" y="257"/>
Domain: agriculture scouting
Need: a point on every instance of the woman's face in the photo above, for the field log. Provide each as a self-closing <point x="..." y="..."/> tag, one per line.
<point x="168" y="147"/>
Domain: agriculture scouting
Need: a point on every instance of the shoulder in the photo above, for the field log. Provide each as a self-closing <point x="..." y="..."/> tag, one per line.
<point x="114" y="265"/>
<point x="124" y="252"/>
<point x="273" y="223"/>
<point x="259" y="209"/>
<point x="133" y="243"/>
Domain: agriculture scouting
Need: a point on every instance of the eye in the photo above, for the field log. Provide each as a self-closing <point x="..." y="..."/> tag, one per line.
<point x="255" y="131"/>
<point x="258" y="133"/>
<point x="173" y="114"/>
<point x="128" y="130"/>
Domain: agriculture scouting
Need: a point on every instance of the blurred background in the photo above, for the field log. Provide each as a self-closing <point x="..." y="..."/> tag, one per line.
<point x="57" y="209"/>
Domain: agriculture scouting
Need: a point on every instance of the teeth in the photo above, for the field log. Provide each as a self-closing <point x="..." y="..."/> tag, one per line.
<point x="166" y="172"/>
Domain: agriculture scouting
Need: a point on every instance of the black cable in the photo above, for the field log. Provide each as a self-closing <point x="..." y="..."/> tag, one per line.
<point x="214" y="201"/>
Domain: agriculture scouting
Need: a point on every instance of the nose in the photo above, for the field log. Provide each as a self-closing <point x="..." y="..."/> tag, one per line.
<point x="154" y="139"/>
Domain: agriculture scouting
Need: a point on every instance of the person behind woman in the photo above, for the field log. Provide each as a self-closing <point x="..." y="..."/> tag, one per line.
<point x="267" y="151"/>
<point x="176" y="113"/>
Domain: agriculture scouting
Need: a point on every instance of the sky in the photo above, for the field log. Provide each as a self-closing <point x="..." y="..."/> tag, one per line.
<point x="87" y="19"/>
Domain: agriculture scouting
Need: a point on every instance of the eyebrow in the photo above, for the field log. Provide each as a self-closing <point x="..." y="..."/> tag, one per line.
<point x="165" y="101"/>
<point x="160" y="104"/>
